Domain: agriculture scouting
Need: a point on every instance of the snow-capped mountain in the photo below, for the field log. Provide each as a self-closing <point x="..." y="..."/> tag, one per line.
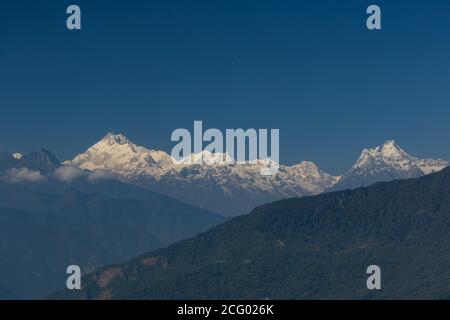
<point x="116" y="154"/>
<point x="225" y="188"/>
<point x="385" y="163"/>
<point x="232" y="189"/>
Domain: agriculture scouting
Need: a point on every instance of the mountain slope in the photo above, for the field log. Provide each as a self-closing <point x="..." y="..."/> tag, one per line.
<point x="309" y="248"/>
<point x="229" y="189"/>
<point x="385" y="163"/>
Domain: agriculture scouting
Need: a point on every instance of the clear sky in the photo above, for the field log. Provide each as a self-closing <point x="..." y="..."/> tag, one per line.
<point x="309" y="68"/>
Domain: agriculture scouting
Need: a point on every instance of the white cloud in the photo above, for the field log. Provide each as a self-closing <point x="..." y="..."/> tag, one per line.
<point x="69" y="174"/>
<point x="24" y="175"/>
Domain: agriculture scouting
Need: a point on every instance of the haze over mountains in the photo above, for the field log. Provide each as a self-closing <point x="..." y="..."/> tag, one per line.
<point x="316" y="247"/>
<point x="232" y="189"/>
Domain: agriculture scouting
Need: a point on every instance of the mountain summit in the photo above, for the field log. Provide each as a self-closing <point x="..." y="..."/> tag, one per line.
<point x="116" y="138"/>
<point x="385" y="163"/>
<point x="116" y="154"/>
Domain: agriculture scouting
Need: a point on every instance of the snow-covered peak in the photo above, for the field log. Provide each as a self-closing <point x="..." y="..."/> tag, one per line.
<point x="391" y="149"/>
<point x="312" y="178"/>
<point x="392" y="155"/>
<point x="388" y="153"/>
<point x="112" y="138"/>
<point x="308" y="168"/>
<point x="387" y="162"/>
<point x="116" y="153"/>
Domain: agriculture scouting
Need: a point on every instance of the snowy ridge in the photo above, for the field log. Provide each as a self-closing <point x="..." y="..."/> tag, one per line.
<point x="117" y="154"/>
<point x="157" y="170"/>
<point x="219" y="185"/>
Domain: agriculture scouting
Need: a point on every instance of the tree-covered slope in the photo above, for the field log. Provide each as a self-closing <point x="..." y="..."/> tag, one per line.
<point x="310" y="248"/>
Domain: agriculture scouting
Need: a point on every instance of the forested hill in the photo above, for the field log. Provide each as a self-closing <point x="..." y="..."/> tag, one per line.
<point x="310" y="248"/>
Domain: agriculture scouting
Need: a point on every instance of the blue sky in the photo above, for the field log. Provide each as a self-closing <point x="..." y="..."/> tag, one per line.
<point x="309" y="68"/>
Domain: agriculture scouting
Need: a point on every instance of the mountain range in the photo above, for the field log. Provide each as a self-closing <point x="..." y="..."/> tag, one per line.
<point x="233" y="189"/>
<point x="316" y="247"/>
<point x="117" y="200"/>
